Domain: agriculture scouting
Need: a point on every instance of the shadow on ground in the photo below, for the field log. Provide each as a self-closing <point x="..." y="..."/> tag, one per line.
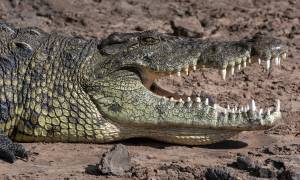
<point x="227" y="144"/>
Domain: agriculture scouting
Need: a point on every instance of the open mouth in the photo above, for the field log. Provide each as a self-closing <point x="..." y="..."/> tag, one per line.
<point x="249" y="110"/>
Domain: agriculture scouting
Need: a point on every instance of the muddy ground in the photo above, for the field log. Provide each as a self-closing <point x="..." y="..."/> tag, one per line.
<point x="276" y="150"/>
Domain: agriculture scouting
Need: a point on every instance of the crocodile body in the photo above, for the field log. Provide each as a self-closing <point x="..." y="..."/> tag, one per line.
<point x="56" y="88"/>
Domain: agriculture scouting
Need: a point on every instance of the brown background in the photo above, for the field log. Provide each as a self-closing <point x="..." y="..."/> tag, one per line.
<point x="223" y="19"/>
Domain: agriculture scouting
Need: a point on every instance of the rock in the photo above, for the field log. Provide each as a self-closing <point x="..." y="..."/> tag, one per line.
<point x="256" y="168"/>
<point x="188" y="27"/>
<point x="277" y="163"/>
<point x="295" y="175"/>
<point x="289" y="174"/>
<point x="115" y="162"/>
<point x="287" y="149"/>
<point x="265" y="172"/>
<point x="219" y="173"/>
<point x="245" y="163"/>
<point x="286" y="168"/>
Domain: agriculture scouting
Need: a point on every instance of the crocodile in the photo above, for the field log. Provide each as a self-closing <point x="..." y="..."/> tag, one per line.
<point x="57" y="88"/>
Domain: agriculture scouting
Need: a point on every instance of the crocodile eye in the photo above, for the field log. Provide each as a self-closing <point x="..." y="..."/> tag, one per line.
<point x="133" y="46"/>
<point x="149" y="40"/>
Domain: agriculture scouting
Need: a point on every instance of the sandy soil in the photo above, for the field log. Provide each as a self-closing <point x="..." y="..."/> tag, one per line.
<point x="223" y="19"/>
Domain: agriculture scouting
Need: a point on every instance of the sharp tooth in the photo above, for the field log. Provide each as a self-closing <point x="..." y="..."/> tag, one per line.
<point x="198" y="100"/>
<point x="189" y="102"/>
<point x="247" y="108"/>
<point x="268" y="64"/>
<point x="194" y="67"/>
<point x="223" y="73"/>
<point x="215" y="106"/>
<point x="188" y="99"/>
<point x="259" y="61"/>
<point x="279" y="61"/>
<point x="232" y="70"/>
<point x="180" y="100"/>
<point x="178" y="74"/>
<point x="276" y="61"/>
<point x="269" y="112"/>
<point x="239" y="67"/>
<point x="244" y="64"/>
<point x="242" y="109"/>
<point x="249" y="60"/>
<point x="171" y="99"/>
<point x="186" y="70"/>
<point x="260" y="112"/>
<point x="228" y="108"/>
<point x="206" y="101"/>
<point x="253" y="107"/>
<point x="278" y="105"/>
<point x="283" y="56"/>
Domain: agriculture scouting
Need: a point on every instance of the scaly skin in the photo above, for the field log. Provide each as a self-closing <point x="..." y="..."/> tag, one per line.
<point x="56" y="88"/>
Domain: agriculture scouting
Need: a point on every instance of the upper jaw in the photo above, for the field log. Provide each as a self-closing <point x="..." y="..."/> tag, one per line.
<point x="228" y="57"/>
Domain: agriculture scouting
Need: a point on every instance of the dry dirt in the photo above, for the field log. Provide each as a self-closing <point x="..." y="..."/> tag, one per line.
<point x="223" y="19"/>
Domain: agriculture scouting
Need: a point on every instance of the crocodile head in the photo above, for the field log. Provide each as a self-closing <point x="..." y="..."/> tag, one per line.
<point x="128" y="64"/>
